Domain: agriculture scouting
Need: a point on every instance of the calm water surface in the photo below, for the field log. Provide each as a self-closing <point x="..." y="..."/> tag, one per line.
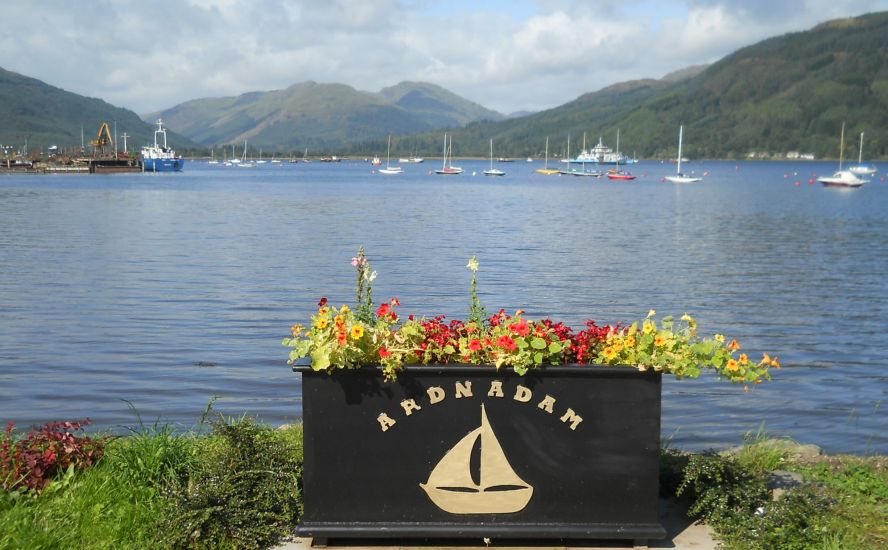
<point x="166" y="290"/>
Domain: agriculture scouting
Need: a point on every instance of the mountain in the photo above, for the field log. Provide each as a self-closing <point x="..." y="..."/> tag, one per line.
<point x="788" y="93"/>
<point x="316" y="115"/>
<point x="43" y="115"/>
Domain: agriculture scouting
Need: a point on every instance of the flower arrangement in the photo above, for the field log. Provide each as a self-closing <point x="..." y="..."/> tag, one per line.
<point x="346" y="338"/>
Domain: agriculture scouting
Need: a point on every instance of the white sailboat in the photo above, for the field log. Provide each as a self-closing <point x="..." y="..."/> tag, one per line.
<point x="388" y="165"/>
<point x="842" y="178"/>
<point x="447" y="169"/>
<point x="679" y="177"/>
<point x="545" y="170"/>
<point x="213" y="157"/>
<point x="862" y="169"/>
<point x="493" y="171"/>
<point x="499" y="490"/>
<point x="244" y="163"/>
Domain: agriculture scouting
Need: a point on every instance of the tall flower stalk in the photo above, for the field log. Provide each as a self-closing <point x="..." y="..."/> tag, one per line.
<point x="477" y="313"/>
<point x="366" y="276"/>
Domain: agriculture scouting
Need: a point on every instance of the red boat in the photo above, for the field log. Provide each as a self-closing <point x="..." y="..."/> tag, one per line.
<point x="619" y="175"/>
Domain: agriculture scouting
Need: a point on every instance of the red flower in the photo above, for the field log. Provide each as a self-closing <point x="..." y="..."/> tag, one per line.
<point x="323" y="302"/>
<point x="395" y="301"/>
<point x="384" y="353"/>
<point x="506" y="343"/>
<point x="521" y="328"/>
<point x="475" y="345"/>
<point x="383" y="310"/>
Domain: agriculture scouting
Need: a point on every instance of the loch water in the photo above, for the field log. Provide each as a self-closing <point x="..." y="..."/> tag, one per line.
<point x="153" y="293"/>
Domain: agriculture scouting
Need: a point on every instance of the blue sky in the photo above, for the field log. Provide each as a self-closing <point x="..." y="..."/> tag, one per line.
<point x="505" y="55"/>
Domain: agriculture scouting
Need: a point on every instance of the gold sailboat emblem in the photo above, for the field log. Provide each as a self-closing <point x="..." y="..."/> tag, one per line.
<point x="499" y="489"/>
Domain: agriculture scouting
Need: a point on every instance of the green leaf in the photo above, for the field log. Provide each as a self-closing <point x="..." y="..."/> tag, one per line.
<point x="538" y="343"/>
<point x="555" y="347"/>
<point x="320" y="359"/>
<point x="538" y="358"/>
<point x="449" y="349"/>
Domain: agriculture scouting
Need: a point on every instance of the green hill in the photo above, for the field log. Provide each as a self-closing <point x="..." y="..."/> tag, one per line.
<point x="789" y="93"/>
<point x="320" y="115"/>
<point x="42" y="115"/>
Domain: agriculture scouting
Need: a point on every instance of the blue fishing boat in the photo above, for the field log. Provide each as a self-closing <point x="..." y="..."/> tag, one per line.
<point x="160" y="158"/>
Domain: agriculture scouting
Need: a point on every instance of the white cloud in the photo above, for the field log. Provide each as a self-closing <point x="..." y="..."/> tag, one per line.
<point x="504" y="55"/>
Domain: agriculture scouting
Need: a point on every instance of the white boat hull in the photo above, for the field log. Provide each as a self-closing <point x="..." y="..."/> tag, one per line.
<point x="683" y="179"/>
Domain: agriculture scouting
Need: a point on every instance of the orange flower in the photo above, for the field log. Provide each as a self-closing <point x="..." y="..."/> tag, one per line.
<point x="766" y="359"/>
<point x="733" y="365"/>
<point x="659" y="341"/>
<point x="734" y="345"/>
<point x="744" y="359"/>
<point x="775" y="363"/>
<point x="342" y="338"/>
<point x="296" y="329"/>
<point x="340" y="320"/>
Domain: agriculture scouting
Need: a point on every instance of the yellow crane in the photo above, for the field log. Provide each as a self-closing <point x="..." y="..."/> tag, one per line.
<point x="103" y="139"/>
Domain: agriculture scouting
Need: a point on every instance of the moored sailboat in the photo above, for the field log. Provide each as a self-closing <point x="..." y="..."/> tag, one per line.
<point x="545" y="170"/>
<point x="388" y="165"/>
<point x="862" y="169"/>
<point x="679" y="177"/>
<point x="842" y="178"/>
<point x="493" y="171"/>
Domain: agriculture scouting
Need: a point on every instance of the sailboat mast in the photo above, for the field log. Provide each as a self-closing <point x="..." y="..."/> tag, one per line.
<point x="546" y="164"/>
<point x="860" y="154"/>
<point x="491" y="153"/>
<point x="444" y="163"/>
<point x="842" y="147"/>
<point x="680" y="132"/>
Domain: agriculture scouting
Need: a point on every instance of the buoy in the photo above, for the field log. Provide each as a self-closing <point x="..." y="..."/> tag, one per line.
<point x="798" y="183"/>
<point x="473" y="173"/>
<point x="785" y="176"/>
<point x="811" y="181"/>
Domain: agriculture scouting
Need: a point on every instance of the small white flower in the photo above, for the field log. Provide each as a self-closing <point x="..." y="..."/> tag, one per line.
<point x="473" y="264"/>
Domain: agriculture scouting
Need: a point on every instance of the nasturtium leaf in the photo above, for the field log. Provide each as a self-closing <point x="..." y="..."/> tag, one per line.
<point x="538" y="343"/>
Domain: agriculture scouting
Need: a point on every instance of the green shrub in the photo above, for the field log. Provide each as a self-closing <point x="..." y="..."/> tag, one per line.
<point x="243" y="492"/>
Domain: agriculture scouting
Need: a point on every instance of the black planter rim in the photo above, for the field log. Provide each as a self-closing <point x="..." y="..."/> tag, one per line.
<point x="463" y="368"/>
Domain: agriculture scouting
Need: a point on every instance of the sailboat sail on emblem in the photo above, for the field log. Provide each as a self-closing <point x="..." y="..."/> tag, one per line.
<point x="499" y="489"/>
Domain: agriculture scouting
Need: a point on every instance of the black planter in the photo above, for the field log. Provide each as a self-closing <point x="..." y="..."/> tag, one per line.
<point x="471" y="452"/>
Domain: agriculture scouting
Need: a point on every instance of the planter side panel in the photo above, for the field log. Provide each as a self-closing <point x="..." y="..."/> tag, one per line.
<point x="585" y="440"/>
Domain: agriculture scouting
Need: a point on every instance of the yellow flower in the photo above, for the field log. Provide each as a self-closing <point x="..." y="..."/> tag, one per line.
<point x="322" y="322"/>
<point x="617" y="345"/>
<point x="344" y="309"/>
<point x="630" y="341"/>
<point x="357" y="332"/>
<point x="720" y="338"/>
<point x="775" y="363"/>
<point x="651" y="313"/>
<point x="733" y="365"/>
<point x="744" y="359"/>
<point x="649" y="327"/>
<point x="609" y="353"/>
<point x="296" y="329"/>
<point x="659" y="340"/>
<point x="766" y="359"/>
<point x="322" y="311"/>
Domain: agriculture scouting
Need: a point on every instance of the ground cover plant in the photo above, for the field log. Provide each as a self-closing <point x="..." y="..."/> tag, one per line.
<point x="842" y="502"/>
<point x="233" y="487"/>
